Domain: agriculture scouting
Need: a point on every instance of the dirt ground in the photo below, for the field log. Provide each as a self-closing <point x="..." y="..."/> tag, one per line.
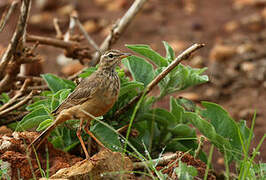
<point x="233" y="31"/>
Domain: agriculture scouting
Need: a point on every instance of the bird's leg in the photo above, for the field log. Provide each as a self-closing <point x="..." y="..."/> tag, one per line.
<point x="81" y="140"/>
<point x="86" y="128"/>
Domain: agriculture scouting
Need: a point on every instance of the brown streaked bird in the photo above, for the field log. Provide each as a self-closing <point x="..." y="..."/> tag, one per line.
<point x="94" y="95"/>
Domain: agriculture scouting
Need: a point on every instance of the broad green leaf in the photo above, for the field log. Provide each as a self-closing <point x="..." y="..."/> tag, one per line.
<point x="45" y="124"/>
<point x="108" y="137"/>
<point x="129" y="86"/>
<point x="149" y="53"/>
<point x="58" y="97"/>
<point x="162" y="116"/>
<point x="183" y="130"/>
<point x="176" y="110"/>
<point x="224" y="125"/>
<point x="64" y="95"/>
<point x="4" y="98"/>
<point x="186" y="76"/>
<point x="244" y="131"/>
<point x="40" y="103"/>
<point x="185" y="172"/>
<point x="141" y="70"/>
<point x="55" y="83"/>
<point x="87" y="72"/>
<point x="187" y="104"/>
<point x="209" y="132"/>
<point x="33" y="119"/>
<point x="170" y="54"/>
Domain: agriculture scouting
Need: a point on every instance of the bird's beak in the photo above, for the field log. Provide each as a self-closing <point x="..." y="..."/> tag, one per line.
<point x="124" y="55"/>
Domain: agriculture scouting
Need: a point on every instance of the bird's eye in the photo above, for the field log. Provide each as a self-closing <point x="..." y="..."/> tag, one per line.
<point x="110" y="55"/>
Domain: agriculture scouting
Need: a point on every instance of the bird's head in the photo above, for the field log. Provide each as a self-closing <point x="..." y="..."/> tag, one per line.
<point x="110" y="59"/>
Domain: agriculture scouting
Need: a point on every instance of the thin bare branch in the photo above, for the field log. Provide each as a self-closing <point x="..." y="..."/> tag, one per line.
<point x="15" y="98"/>
<point x="32" y="78"/>
<point x="59" y="33"/>
<point x="51" y="41"/>
<point x="89" y="39"/>
<point x="183" y="56"/>
<point x="18" y="34"/>
<point x="118" y="29"/>
<point x="21" y="103"/>
<point x="7" y="14"/>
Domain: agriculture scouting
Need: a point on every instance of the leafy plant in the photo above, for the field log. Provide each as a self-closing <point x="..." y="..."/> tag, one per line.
<point x="158" y="128"/>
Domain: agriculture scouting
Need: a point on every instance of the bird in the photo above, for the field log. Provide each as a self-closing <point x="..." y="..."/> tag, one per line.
<point x="95" y="95"/>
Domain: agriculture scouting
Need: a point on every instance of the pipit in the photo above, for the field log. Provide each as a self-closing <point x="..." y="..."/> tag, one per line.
<point x="95" y="95"/>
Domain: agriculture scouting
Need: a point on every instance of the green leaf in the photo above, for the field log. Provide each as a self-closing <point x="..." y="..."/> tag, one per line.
<point x="41" y="103"/>
<point x="176" y="110"/>
<point x="187" y="104"/>
<point x="183" y="130"/>
<point x="224" y="125"/>
<point x="58" y="98"/>
<point x="55" y="83"/>
<point x="186" y="76"/>
<point x="162" y="116"/>
<point x="185" y="172"/>
<point x="141" y="70"/>
<point x="149" y="53"/>
<point x="108" y="137"/>
<point x="244" y="131"/>
<point x="129" y="86"/>
<point x="209" y="132"/>
<point x="170" y="54"/>
<point x="33" y="119"/>
<point x="4" y="98"/>
<point x="87" y="72"/>
<point x="45" y="124"/>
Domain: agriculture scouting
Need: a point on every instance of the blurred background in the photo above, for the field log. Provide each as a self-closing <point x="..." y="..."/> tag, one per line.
<point x="233" y="31"/>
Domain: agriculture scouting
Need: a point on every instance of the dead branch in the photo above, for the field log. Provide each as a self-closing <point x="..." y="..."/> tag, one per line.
<point x="6" y="15"/>
<point x="115" y="33"/>
<point x="18" y="34"/>
<point x="118" y="29"/>
<point x="52" y="41"/>
<point x="59" y="33"/>
<point x="72" y="49"/>
<point x="21" y="103"/>
<point x="89" y="39"/>
<point x="31" y="78"/>
<point x="15" y="98"/>
<point x="160" y="161"/>
<point x="183" y="56"/>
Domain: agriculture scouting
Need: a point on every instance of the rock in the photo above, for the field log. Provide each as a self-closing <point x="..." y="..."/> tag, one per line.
<point x="98" y="167"/>
<point x="222" y="52"/>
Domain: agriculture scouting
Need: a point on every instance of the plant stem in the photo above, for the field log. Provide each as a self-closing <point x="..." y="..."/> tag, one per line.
<point x="208" y="163"/>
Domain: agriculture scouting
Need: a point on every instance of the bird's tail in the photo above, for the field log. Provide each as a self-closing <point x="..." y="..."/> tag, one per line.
<point x="40" y="139"/>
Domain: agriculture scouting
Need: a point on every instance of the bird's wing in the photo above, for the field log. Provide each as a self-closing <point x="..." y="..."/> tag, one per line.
<point x="84" y="91"/>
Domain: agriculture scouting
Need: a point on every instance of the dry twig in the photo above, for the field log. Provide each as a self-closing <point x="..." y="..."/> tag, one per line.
<point x="118" y="29"/>
<point x="184" y="55"/>
<point x="21" y="103"/>
<point x="115" y="33"/>
<point x="89" y="39"/>
<point x="15" y="98"/>
<point x="6" y="15"/>
<point x="15" y="54"/>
